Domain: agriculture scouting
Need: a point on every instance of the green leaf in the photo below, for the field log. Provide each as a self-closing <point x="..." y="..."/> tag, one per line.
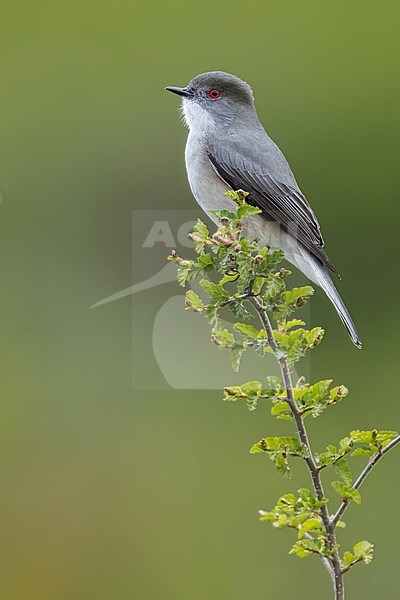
<point x="224" y="214"/>
<point x="314" y="337"/>
<point x="228" y="278"/>
<point x="362" y="552"/>
<point x="337" y="393"/>
<point x="366" y="437"/>
<point x="237" y="352"/>
<point x="293" y="323"/>
<point x="314" y="399"/>
<point x="365" y="551"/>
<point x="216" y="292"/>
<point x="349" y="559"/>
<point x="273" y="290"/>
<point x="296" y="294"/>
<point x="312" y="524"/>
<point x="341" y="524"/>
<point x="238" y="196"/>
<point x="375" y="438"/>
<point x="312" y="393"/>
<point x="348" y="493"/>
<point x="288" y="444"/>
<point x="293" y="511"/>
<point x="193" y="302"/>
<point x="258" y="285"/>
<point x="281" y="410"/>
<point x="239" y="310"/>
<point x="274" y="383"/>
<point x="184" y="272"/>
<point x="363" y="452"/>
<point x="291" y="300"/>
<point x="206" y="262"/>
<point x="253" y="338"/>
<point x="341" y="467"/>
<point x="199" y="236"/>
<point x="211" y="311"/>
<point x="278" y="450"/>
<point x="245" y="211"/>
<point x="188" y="269"/>
<point x="266" y="261"/>
<point x="305" y="547"/>
<point x="295" y="343"/>
<point x="248" y="331"/>
<point x="223" y="338"/>
<point x="251" y="391"/>
<point x="300" y="550"/>
<point x="201" y="229"/>
<point x="345" y="445"/>
<point x="244" y="263"/>
<point x="367" y="442"/>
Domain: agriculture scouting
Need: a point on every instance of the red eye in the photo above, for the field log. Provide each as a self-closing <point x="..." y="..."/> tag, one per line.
<point x="214" y="94"/>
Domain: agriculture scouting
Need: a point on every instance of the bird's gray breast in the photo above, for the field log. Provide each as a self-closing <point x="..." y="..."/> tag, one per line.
<point x="209" y="190"/>
<point x="207" y="186"/>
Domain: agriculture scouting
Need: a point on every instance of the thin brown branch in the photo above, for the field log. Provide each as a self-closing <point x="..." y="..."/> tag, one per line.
<point x="368" y="468"/>
<point x="334" y="563"/>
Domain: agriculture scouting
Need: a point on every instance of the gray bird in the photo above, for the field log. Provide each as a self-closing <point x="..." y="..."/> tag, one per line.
<point x="228" y="148"/>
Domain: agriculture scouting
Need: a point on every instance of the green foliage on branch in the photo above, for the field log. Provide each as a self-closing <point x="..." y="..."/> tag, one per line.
<point x="239" y="277"/>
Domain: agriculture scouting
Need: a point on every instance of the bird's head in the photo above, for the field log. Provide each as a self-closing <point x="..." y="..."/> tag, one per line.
<point x="214" y="99"/>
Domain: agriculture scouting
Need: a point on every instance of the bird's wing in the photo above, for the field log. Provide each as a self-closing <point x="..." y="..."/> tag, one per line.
<point x="278" y="201"/>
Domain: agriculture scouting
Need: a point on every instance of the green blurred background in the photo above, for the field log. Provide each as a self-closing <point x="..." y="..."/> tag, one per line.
<point x="112" y="493"/>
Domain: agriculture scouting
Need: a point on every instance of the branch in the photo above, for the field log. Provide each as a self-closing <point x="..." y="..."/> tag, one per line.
<point x="332" y="564"/>
<point x="370" y="465"/>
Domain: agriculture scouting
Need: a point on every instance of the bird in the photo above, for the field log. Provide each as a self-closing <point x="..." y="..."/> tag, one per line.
<point x="229" y="149"/>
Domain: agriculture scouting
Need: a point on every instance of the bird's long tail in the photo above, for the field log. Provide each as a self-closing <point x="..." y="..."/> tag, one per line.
<point x="313" y="268"/>
<point x="324" y="280"/>
<point x="319" y="274"/>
